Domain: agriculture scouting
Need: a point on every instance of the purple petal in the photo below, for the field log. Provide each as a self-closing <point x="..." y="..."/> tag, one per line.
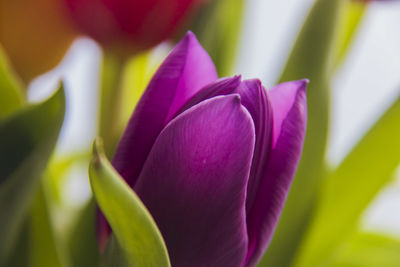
<point x="283" y="97"/>
<point x="194" y="183"/>
<point x="289" y="114"/>
<point x="255" y="99"/>
<point x="184" y="72"/>
<point x="223" y="86"/>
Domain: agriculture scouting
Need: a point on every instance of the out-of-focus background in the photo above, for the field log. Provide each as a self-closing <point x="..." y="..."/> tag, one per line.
<point x="365" y="85"/>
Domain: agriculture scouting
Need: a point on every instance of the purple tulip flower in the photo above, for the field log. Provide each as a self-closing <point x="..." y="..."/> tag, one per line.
<point x="212" y="159"/>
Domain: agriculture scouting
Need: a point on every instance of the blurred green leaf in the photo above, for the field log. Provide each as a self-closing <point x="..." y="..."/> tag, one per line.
<point x="11" y="96"/>
<point x="114" y="255"/>
<point x="44" y="251"/>
<point x="75" y="224"/>
<point x="311" y="58"/>
<point x="27" y="139"/>
<point x="351" y="187"/>
<point x="110" y="101"/>
<point x="137" y="74"/>
<point x="123" y="85"/>
<point x="20" y="254"/>
<point x="350" y="20"/>
<point x="218" y="27"/>
<point x="133" y="226"/>
<point x="56" y="173"/>
<point x="37" y="245"/>
<point x="368" y="250"/>
<point x="83" y="242"/>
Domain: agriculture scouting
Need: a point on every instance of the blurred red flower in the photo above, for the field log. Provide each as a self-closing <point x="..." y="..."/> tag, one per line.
<point x="130" y="25"/>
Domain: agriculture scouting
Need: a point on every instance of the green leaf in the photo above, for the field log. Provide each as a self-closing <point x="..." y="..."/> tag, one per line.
<point x="83" y="242"/>
<point x="352" y="186"/>
<point x="20" y="253"/>
<point x="137" y="74"/>
<point x="27" y="139"/>
<point x="311" y="58"/>
<point x="44" y="251"/>
<point x="350" y="20"/>
<point x="368" y="250"/>
<point x="11" y="96"/>
<point x="123" y="83"/>
<point x="114" y="255"/>
<point x="110" y="100"/>
<point x="37" y="245"/>
<point x="218" y="28"/>
<point x="56" y="174"/>
<point x="132" y="225"/>
<point x="77" y="233"/>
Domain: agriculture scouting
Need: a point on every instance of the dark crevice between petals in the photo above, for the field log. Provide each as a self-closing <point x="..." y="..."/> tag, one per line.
<point x="255" y="99"/>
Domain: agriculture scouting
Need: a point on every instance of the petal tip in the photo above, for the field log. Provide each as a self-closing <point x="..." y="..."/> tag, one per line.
<point x="303" y="84"/>
<point x="190" y="37"/>
<point x="302" y="87"/>
<point x="253" y="82"/>
<point x="237" y="78"/>
<point x="189" y="33"/>
<point x="188" y="40"/>
<point x="236" y="99"/>
<point x="305" y="81"/>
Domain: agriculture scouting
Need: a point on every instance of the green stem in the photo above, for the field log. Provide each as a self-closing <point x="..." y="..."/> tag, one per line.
<point x="110" y="101"/>
<point x="351" y="18"/>
<point x="311" y="57"/>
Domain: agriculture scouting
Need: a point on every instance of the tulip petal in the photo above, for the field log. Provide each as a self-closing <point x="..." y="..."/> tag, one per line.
<point x="194" y="183"/>
<point x="288" y="102"/>
<point x="255" y="99"/>
<point x="223" y="86"/>
<point x="184" y="72"/>
<point x="284" y="97"/>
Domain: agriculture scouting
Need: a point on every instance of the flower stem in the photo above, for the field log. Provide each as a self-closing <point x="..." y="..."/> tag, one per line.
<point x="110" y="101"/>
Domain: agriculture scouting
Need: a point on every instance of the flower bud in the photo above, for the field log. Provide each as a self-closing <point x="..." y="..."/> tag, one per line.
<point x="211" y="159"/>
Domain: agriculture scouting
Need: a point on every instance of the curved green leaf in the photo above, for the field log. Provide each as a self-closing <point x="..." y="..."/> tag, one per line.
<point x="134" y="228"/>
<point x="137" y="74"/>
<point x="82" y="244"/>
<point x="349" y="22"/>
<point x="312" y="58"/>
<point x="11" y="96"/>
<point x="352" y="186"/>
<point x="114" y="254"/>
<point x="20" y="253"/>
<point x="110" y="101"/>
<point x="36" y="244"/>
<point x="368" y="250"/>
<point x="44" y="251"/>
<point x="27" y="139"/>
